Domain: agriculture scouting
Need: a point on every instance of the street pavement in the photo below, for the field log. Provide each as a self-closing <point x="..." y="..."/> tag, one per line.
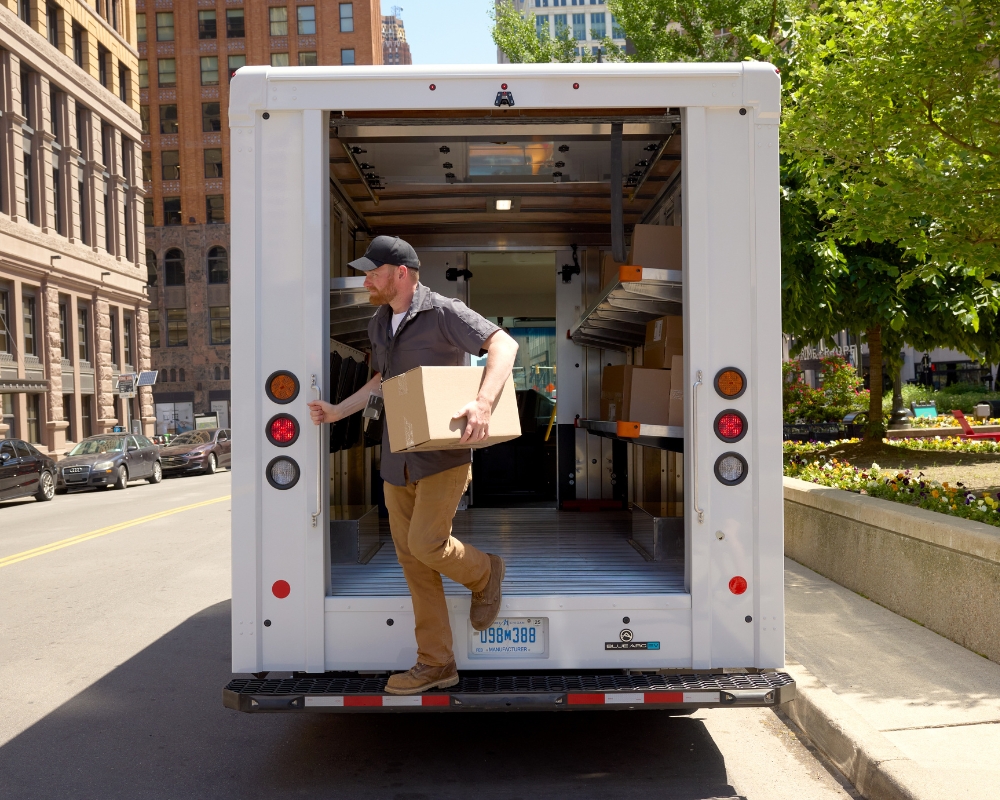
<point x="935" y="702"/>
<point x="114" y="650"/>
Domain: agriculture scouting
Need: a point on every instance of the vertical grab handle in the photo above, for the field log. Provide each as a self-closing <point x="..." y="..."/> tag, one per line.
<point x="314" y="385"/>
<point x="694" y="441"/>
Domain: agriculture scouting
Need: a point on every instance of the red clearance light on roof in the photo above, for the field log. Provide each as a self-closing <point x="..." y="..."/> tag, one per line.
<point x="503" y="85"/>
<point x="576" y="86"/>
<point x="738" y="585"/>
<point x="433" y="87"/>
<point x="282" y="430"/>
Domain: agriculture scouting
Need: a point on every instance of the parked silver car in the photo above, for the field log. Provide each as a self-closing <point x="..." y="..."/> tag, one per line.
<point x="110" y="459"/>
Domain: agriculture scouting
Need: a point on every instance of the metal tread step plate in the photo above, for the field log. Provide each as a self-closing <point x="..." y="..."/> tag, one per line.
<point x="506" y="692"/>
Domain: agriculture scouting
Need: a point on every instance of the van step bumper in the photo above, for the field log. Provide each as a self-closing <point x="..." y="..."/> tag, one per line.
<point x="336" y="692"/>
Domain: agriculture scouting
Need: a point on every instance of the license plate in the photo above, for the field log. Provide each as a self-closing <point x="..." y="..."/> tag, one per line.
<point x="511" y="637"/>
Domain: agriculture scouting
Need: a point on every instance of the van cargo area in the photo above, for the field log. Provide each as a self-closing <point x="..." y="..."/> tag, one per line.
<point x="618" y="217"/>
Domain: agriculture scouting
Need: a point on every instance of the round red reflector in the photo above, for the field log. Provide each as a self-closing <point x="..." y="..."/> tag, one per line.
<point x="281" y="589"/>
<point x="730" y="426"/>
<point x="738" y="585"/>
<point x="576" y="86"/>
<point x="433" y="87"/>
<point x="503" y="85"/>
<point x="282" y="430"/>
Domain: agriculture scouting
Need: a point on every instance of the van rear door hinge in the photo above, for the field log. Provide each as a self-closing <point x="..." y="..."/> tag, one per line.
<point x="504" y="99"/>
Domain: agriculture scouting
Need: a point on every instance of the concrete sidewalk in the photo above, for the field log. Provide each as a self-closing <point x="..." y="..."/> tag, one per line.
<point x="905" y="713"/>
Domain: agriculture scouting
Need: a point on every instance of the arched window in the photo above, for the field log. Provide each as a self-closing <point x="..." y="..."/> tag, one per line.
<point x="173" y="375"/>
<point x="173" y="266"/>
<point x="150" y="268"/>
<point x="218" y="265"/>
<point x="182" y="374"/>
<point x="164" y="375"/>
<point x="218" y="374"/>
<point x="225" y="373"/>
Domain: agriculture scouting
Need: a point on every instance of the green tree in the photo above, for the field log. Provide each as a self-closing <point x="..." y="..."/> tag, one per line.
<point x="522" y="44"/>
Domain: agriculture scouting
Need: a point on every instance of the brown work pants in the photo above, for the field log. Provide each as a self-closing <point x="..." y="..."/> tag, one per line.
<point x="420" y="516"/>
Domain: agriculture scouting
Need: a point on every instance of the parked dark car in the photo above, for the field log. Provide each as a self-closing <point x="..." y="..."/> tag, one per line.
<point x="110" y="459"/>
<point x="25" y="472"/>
<point x="203" y="450"/>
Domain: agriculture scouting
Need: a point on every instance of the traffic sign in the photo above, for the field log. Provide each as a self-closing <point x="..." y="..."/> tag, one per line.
<point x="126" y="384"/>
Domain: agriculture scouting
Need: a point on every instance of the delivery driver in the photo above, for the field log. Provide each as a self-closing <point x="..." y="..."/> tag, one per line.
<point x="415" y="327"/>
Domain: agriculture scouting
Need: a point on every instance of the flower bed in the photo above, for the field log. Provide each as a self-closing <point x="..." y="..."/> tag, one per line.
<point x="899" y="486"/>
<point x="947" y="444"/>
<point x="948" y="421"/>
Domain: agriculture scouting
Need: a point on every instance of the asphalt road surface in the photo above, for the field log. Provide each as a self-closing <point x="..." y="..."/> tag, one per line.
<point x="114" y="648"/>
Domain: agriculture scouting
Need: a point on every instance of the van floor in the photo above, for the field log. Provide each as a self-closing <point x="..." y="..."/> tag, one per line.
<point x="548" y="552"/>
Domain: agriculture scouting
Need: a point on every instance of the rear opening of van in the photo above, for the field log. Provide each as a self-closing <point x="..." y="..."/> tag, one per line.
<point x="618" y="594"/>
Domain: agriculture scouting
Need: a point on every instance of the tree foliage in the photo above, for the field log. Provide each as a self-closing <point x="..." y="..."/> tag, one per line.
<point x="517" y="37"/>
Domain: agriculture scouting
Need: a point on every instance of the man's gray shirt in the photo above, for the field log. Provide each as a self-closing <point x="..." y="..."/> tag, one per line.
<point x="437" y="331"/>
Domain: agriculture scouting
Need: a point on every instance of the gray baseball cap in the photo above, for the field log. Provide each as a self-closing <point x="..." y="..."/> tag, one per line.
<point x="387" y="250"/>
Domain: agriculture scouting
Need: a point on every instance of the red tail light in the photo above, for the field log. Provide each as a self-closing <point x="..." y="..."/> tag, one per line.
<point x="282" y="430"/>
<point x="730" y="425"/>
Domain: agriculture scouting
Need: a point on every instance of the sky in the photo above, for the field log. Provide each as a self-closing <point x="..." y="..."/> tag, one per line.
<point x="447" y="31"/>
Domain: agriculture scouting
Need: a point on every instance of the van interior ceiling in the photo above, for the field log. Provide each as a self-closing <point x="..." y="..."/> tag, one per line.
<point x="506" y="210"/>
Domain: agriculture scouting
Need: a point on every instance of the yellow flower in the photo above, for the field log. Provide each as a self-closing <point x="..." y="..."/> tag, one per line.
<point x="934" y="493"/>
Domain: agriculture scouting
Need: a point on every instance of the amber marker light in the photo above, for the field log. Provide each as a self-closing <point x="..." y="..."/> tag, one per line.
<point x="730" y="382"/>
<point x="282" y="387"/>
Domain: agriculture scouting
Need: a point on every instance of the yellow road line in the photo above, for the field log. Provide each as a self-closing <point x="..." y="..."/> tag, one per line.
<point x="83" y="537"/>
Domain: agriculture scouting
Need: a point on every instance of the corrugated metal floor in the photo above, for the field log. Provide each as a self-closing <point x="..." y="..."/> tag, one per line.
<point x="547" y="552"/>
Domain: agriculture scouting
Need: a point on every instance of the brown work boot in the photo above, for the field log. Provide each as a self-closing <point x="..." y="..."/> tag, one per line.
<point x="486" y="604"/>
<point x="421" y="677"/>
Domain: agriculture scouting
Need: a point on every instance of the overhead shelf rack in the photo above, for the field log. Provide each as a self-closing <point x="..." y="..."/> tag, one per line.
<point x="665" y="437"/>
<point x="350" y="310"/>
<point x="617" y="320"/>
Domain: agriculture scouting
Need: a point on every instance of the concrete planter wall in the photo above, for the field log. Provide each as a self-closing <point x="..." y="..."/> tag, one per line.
<point x="940" y="571"/>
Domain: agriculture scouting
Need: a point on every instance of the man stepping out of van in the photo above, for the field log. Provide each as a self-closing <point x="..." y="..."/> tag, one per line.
<point x="415" y="327"/>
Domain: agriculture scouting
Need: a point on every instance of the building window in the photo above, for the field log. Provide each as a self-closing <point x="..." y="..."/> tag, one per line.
<point x="147" y="165"/>
<point x="113" y="323"/>
<point x="218" y="372"/>
<point x="147" y="211"/>
<point x="123" y="83"/>
<point x="597" y="26"/>
<point x="103" y="57"/>
<point x="170" y="165"/>
<point x="542" y="26"/>
<point x="209" y="70"/>
<point x="177" y="328"/>
<point x="171" y="211"/>
<point x="140" y="27"/>
<point x="173" y="375"/>
<point x="279" y="59"/>
<point x="82" y="333"/>
<point x="215" y="209"/>
<point x="34" y="413"/>
<point x="347" y="18"/>
<point x="165" y="26"/>
<point x="218" y="265"/>
<point x="154" y="327"/>
<point x="219" y="317"/>
<point x="307" y="58"/>
<point x="127" y="339"/>
<point x="180" y="374"/>
<point x="28" y="313"/>
<point x="168" y="119"/>
<point x="86" y="402"/>
<point x="306" y="16"/>
<point x="63" y="330"/>
<point x="206" y="25"/>
<point x="144" y="117"/>
<point x="213" y="162"/>
<point x="29" y="183"/>
<point x="347" y="56"/>
<point x="235" y="27"/>
<point x="143" y="73"/>
<point x="151" y="275"/>
<point x="166" y="71"/>
<point x="52" y="25"/>
<point x="5" y="341"/>
<point x="278" y="16"/>
<point x="173" y="267"/>
<point x="235" y="62"/>
<point x="211" y="118"/>
<point x="617" y="31"/>
<point x="78" y="45"/>
<point x="225" y="373"/>
<point x="580" y="27"/>
<point x="68" y="416"/>
<point x="57" y="195"/>
<point x="7" y="413"/>
<point x="561" y="28"/>
<point x="24" y="11"/>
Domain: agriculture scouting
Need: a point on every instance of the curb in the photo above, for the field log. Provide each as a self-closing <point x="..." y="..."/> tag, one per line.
<point x="875" y="766"/>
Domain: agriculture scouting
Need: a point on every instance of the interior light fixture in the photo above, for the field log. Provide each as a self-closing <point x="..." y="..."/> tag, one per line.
<point x="504" y="205"/>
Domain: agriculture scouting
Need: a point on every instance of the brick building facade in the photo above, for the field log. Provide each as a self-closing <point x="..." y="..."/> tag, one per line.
<point x="73" y="308"/>
<point x="188" y="51"/>
<point x="395" y="49"/>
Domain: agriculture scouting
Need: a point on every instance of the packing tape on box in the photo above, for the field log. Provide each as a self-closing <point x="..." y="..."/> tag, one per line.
<point x="676" y="394"/>
<point x="408" y="433"/>
<point x="401" y="383"/>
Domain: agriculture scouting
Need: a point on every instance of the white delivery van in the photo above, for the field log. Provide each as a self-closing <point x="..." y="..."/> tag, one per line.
<point x="643" y="540"/>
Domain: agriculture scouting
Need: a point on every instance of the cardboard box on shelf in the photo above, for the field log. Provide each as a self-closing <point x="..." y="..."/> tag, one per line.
<point x="664" y="340"/>
<point x="609" y="270"/>
<point x="676" y="412"/>
<point x="419" y="405"/>
<point x="635" y="394"/>
<point x="656" y="247"/>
